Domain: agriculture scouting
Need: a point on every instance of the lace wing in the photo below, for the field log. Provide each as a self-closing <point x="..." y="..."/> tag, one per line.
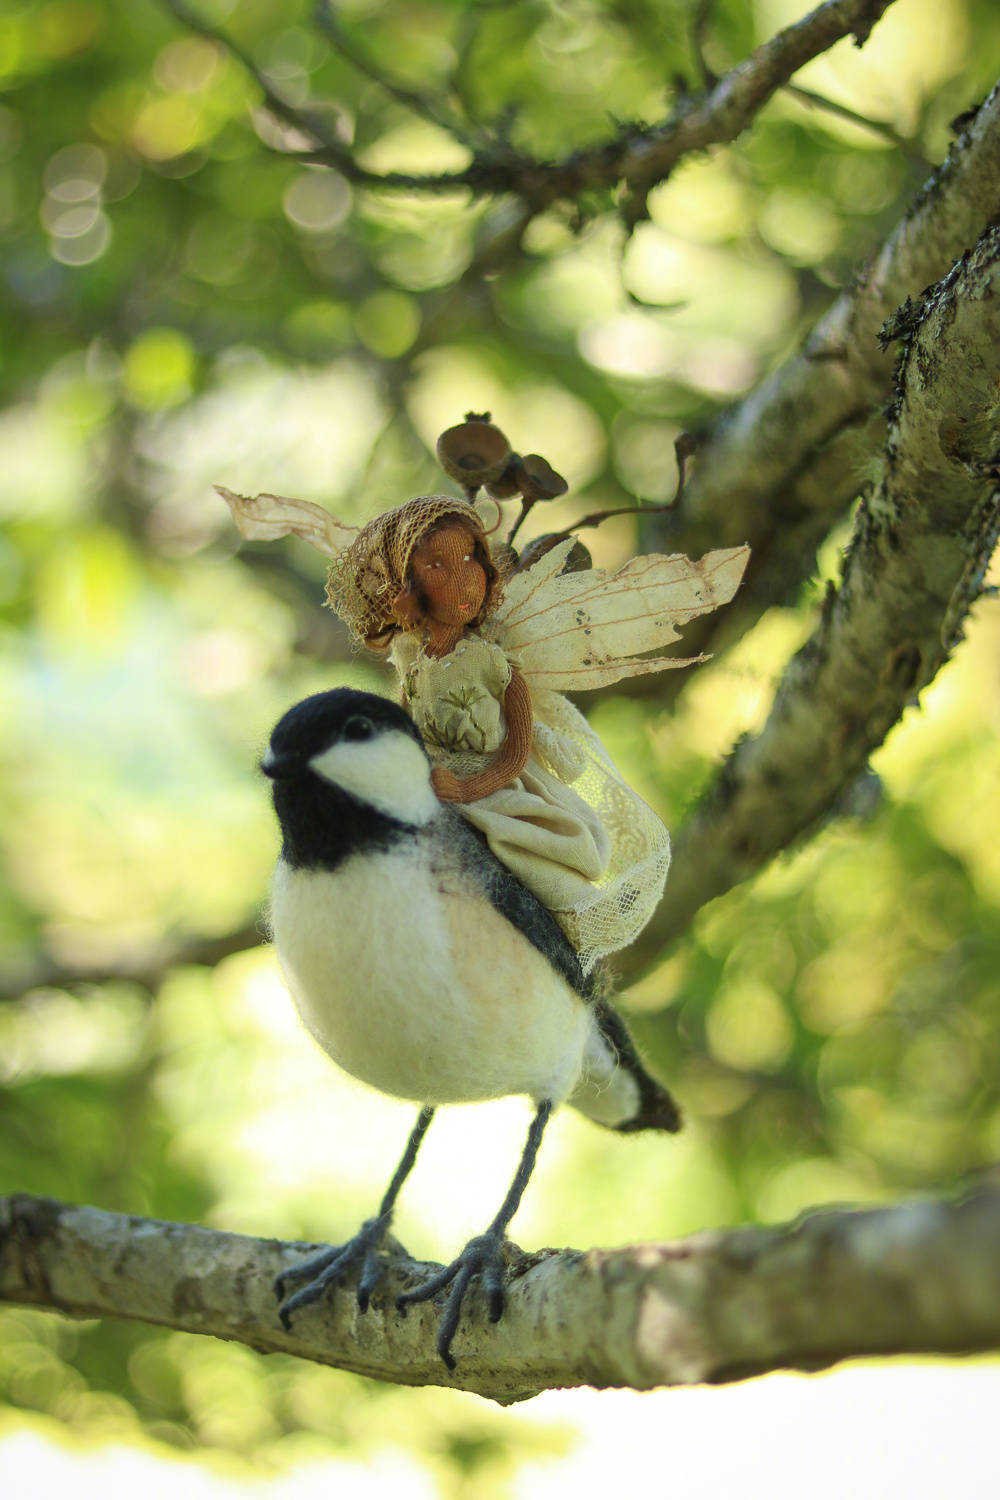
<point x="264" y="518"/>
<point x="571" y="631"/>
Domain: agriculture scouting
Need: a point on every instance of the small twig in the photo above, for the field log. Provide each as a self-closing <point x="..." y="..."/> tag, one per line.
<point x="596" y="517"/>
<point x="699" y="25"/>
<point x="526" y="506"/>
<point x="685" y="446"/>
<point x="436" y="111"/>
<point x="302" y="119"/>
<point x="881" y="127"/>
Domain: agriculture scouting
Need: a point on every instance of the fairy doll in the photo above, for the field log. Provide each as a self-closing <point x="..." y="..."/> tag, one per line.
<point x="484" y="646"/>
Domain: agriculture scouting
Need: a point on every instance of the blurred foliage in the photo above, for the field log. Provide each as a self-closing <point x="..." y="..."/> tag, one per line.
<point x="182" y="303"/>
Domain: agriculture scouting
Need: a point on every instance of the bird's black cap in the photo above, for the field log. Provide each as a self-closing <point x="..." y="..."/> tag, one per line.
<point x="323" y="823"/>
<point x="324" y="719"/>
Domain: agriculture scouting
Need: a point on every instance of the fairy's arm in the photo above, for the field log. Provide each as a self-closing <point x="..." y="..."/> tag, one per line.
<point x="510" y="761"/>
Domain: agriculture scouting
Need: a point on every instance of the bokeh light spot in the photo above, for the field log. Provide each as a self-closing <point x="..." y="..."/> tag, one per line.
<point x="317" y="201"/>
<point x="158" y="369"/>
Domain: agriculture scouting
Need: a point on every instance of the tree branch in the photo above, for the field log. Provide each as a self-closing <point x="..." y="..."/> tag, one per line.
<point x="148" y="968"/>
<point x="922" y="542"/>
<point x="919" y="1278"/>
<point x="638" y="156"/>
<point x="908" y="145"/>
<point x="787" y="463"/>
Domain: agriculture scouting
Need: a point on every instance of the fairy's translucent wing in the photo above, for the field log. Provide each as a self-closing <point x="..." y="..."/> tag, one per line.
<point x="266" y="517"/>
<point x="585" y="630"/>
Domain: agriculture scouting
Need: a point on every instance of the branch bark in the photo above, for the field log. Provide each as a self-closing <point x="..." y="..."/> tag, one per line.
<point x="787" y="463"/>
<point x="922" y="542"/>
<point x="921" y="1277"/>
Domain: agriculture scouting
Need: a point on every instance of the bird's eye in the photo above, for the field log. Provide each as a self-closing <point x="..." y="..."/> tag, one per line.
<point x="358" y="727"/>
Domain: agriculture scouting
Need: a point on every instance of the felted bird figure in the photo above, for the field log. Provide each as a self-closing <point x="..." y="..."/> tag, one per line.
<point x="425" y="969"/>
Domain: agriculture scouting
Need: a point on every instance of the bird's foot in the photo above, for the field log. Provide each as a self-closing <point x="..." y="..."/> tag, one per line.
<point x="483" y="1256"/>
<point x="327" y="1266"/>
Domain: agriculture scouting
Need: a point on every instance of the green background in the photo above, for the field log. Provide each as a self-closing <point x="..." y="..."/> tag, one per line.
<point x="182" y="304"/>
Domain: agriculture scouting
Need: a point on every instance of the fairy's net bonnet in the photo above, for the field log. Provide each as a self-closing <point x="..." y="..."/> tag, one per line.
<point x="368" y="575"/>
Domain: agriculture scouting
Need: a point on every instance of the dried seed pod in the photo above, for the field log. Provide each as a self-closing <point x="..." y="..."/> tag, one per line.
<point x="475" y="452"/>
<point x="538" y="480"/>
<point x="578" y="561"/>
<point x="507" y="484"/>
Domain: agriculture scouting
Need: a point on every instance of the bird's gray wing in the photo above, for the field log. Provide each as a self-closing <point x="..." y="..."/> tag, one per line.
<point x="478" y="864"/>
<point x="514" y="901"/>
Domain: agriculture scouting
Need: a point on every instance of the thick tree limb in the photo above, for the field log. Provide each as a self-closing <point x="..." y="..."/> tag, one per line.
<point x="923" y="540"/>
<point x="787" y="463"/>
<point x="922" y="1277"/>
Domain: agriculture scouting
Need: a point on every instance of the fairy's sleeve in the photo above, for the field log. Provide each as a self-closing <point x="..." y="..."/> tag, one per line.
<point x="571" y="631"/>
<point x="264" y="518"/>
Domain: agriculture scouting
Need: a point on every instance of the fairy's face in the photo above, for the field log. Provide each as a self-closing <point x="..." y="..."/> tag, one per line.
<point x="449" y="576"/>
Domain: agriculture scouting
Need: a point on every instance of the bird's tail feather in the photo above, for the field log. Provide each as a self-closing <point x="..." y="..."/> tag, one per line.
<point x="616" y="1090"/>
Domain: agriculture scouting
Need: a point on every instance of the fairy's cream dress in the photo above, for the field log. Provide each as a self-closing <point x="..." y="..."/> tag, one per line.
<point x="568" y="826"/>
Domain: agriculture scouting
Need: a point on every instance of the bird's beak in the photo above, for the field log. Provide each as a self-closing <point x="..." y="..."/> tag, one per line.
<point x="280" y="767"/>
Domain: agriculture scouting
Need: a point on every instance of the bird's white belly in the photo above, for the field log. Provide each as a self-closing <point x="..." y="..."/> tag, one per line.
<point x="423" y="992"/>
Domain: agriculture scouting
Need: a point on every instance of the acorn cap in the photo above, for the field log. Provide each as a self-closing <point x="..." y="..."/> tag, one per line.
<point x="474" y="452"/>
<point x="508" y="483"/>
<point x="538" y="479"/>
<point x="578" y="559"/>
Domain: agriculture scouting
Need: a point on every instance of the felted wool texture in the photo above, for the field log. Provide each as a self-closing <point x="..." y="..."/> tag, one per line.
<point x="434" y="1000"/>
<point x="537" y="825"/>
<point x="605" y="1092"/>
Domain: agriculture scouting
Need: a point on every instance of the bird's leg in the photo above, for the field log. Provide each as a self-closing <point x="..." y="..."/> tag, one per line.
<point x="482" y="1254"/>
<point x="328" y="1265"/>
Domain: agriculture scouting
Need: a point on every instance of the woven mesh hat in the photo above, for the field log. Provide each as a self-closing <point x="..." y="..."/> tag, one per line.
<point x="369" y="574"/>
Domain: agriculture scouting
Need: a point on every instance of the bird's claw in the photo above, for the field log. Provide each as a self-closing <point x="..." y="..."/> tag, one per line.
<point x="328" y="1266"/>
<point x="482" y="1256"/>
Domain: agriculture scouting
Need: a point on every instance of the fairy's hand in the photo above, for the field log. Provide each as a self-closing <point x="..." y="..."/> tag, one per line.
<point x="511" y="760"/>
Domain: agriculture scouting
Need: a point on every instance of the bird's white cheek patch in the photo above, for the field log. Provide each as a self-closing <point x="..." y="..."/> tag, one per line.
<point x="390" y="772"/>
